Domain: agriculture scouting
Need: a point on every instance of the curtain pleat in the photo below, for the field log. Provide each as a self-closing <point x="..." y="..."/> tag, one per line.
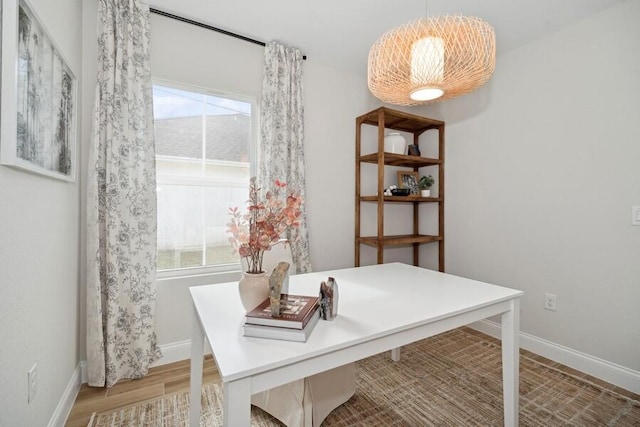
<point x="121" y="201"/>
<point x="282" y="135"/>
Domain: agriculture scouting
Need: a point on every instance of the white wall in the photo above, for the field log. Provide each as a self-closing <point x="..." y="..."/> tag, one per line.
<point x="39" y="252"/>
<point x="543" y="166"/>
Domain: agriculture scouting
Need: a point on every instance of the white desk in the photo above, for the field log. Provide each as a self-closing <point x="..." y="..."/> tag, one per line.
<point x="381" y="307"/>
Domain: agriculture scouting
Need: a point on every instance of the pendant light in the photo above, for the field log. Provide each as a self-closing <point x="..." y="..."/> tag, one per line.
<point x="431" y="59"/>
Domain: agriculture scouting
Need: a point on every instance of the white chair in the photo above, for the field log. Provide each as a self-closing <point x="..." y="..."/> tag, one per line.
<point x="305" y="402"/>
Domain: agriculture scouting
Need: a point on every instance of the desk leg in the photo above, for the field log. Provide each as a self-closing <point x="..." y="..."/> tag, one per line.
<point x="395" y="354"/>
<point x="511" y="363"/>
<point x="236" y="407"/>
<point x="197" y="355"/>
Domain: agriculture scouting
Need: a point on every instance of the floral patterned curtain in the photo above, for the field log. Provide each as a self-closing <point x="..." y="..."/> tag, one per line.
<point x="282" y="135"/>
<point x="121" y="201"/>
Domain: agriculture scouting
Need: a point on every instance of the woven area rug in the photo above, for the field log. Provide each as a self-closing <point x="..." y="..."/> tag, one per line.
<point x="453" y="379"/>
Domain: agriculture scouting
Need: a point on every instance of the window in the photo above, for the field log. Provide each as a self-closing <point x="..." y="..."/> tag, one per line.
<point x="204" y="143"/>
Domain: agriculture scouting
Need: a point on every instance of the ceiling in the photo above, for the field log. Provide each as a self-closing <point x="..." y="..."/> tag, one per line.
<point x="340" y="32"/>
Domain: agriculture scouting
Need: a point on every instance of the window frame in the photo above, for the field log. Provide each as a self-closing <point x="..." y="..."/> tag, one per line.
<point x="205" y="272"/>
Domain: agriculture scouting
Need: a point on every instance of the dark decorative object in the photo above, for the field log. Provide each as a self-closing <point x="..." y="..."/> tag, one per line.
<point x="275" y="286"/>
<point x="329" y="299"/>
<point x="400" y="191"/>
<point x="414" y="150"/>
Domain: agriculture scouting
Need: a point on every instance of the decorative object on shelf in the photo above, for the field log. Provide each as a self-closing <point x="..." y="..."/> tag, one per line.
<point x="276" y="279"/>
<point x="431" y="58"/>
<point x="393" y="190"/>
<point x="425" y="183"/>
<point x="408" y="179"/>
<point x="395" y="143"/>
<point x="401" y="192"/>
<point x="253" y="289"/>
<point x="414" y="150"/>
<point x="255" y="231"/>
<point x="329" y="299"/>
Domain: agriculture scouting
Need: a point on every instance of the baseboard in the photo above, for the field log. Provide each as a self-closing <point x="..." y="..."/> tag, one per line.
<point x="606" y="371"/>
<point x="174" y="352"/>
<point x="177" y="351"/>
<point x="61" y="413"/>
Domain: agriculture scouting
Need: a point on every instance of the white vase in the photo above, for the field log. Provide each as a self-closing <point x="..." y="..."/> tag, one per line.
<point x="253" y="288"/>
<point x="395" y="143"/>
<point x="425" y="193"/>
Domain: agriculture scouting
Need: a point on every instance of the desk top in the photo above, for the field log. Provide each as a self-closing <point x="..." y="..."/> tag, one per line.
<point x="374" y="301"/>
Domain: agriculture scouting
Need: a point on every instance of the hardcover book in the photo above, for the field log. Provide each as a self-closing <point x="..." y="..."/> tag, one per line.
<point x="295" y="312"/>
<point x="286" y="334"/>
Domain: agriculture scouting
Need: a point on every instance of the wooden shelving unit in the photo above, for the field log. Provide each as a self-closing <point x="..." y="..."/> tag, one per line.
<point x="384" y="118"/>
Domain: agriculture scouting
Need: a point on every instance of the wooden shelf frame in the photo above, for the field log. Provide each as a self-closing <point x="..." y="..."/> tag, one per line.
<point x="385" y="118"/>
<point x="401" y="199"/>
<point x="396" y="240"/>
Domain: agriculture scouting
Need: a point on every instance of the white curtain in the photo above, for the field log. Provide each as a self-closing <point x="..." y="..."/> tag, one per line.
<point x="282" y="135"/>
<point x="121" y="201"/>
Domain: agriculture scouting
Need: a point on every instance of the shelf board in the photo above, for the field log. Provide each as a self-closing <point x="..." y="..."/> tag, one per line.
<point x="402" y="199"/>
<point x="399" y="120"/>
<point x="400" y="160"/>
<point x="406" y="239"/>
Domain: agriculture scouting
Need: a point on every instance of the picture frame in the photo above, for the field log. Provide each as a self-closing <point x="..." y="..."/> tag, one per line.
<point x="39" y="97"/>
<point x="414" y="150"/>
<point x="409" y="179"/>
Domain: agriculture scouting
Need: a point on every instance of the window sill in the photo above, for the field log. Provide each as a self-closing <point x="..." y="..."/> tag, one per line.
<point x="198" y="278"/>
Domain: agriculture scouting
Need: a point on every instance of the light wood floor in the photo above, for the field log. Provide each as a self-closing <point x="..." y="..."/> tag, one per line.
<point x="165" y="379"/>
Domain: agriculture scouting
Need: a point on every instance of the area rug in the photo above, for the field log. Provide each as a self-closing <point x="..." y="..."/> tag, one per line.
<point x="453" y="379"/>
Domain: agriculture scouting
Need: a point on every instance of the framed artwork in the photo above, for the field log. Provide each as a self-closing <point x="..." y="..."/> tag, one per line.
<point x="39" y="103"/>
<point x="409" y="179"/>
<point x="414" y="150"/>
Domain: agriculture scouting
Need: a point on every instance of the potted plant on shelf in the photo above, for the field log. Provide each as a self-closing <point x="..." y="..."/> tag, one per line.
<point x="424" y="184"/>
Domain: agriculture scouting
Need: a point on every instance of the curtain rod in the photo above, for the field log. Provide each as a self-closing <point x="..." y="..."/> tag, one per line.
<point x="208" y="27"/>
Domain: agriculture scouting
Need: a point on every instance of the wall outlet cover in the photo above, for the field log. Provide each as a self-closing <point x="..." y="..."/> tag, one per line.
<point x="635" y="215"/>
<point x="32" y="381"/>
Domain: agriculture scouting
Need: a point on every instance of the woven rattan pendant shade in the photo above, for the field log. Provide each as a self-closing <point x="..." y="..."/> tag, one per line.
<point x="451" y="54"/>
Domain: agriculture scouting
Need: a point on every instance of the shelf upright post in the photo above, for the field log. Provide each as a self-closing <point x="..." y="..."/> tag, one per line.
<point x="381" y="127"/>
<point x="416" y="211"/>
<point x="441" y="197"/>
<point x="358" y="191"/>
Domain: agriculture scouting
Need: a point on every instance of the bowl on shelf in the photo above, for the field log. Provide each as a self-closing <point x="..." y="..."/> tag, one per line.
<point x="400" y="191"/>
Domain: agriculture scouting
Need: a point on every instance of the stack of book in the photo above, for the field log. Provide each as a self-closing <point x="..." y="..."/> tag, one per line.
<point x="298" y="315"/>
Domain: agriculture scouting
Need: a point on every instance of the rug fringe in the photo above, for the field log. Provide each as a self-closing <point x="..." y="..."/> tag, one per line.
<point x="93" y="417"/>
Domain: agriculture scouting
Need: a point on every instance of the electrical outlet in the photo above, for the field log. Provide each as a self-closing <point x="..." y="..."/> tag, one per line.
<point x="32" y="379"/>
<point x="550" y="302"/>
<point x="635" y="215"/>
